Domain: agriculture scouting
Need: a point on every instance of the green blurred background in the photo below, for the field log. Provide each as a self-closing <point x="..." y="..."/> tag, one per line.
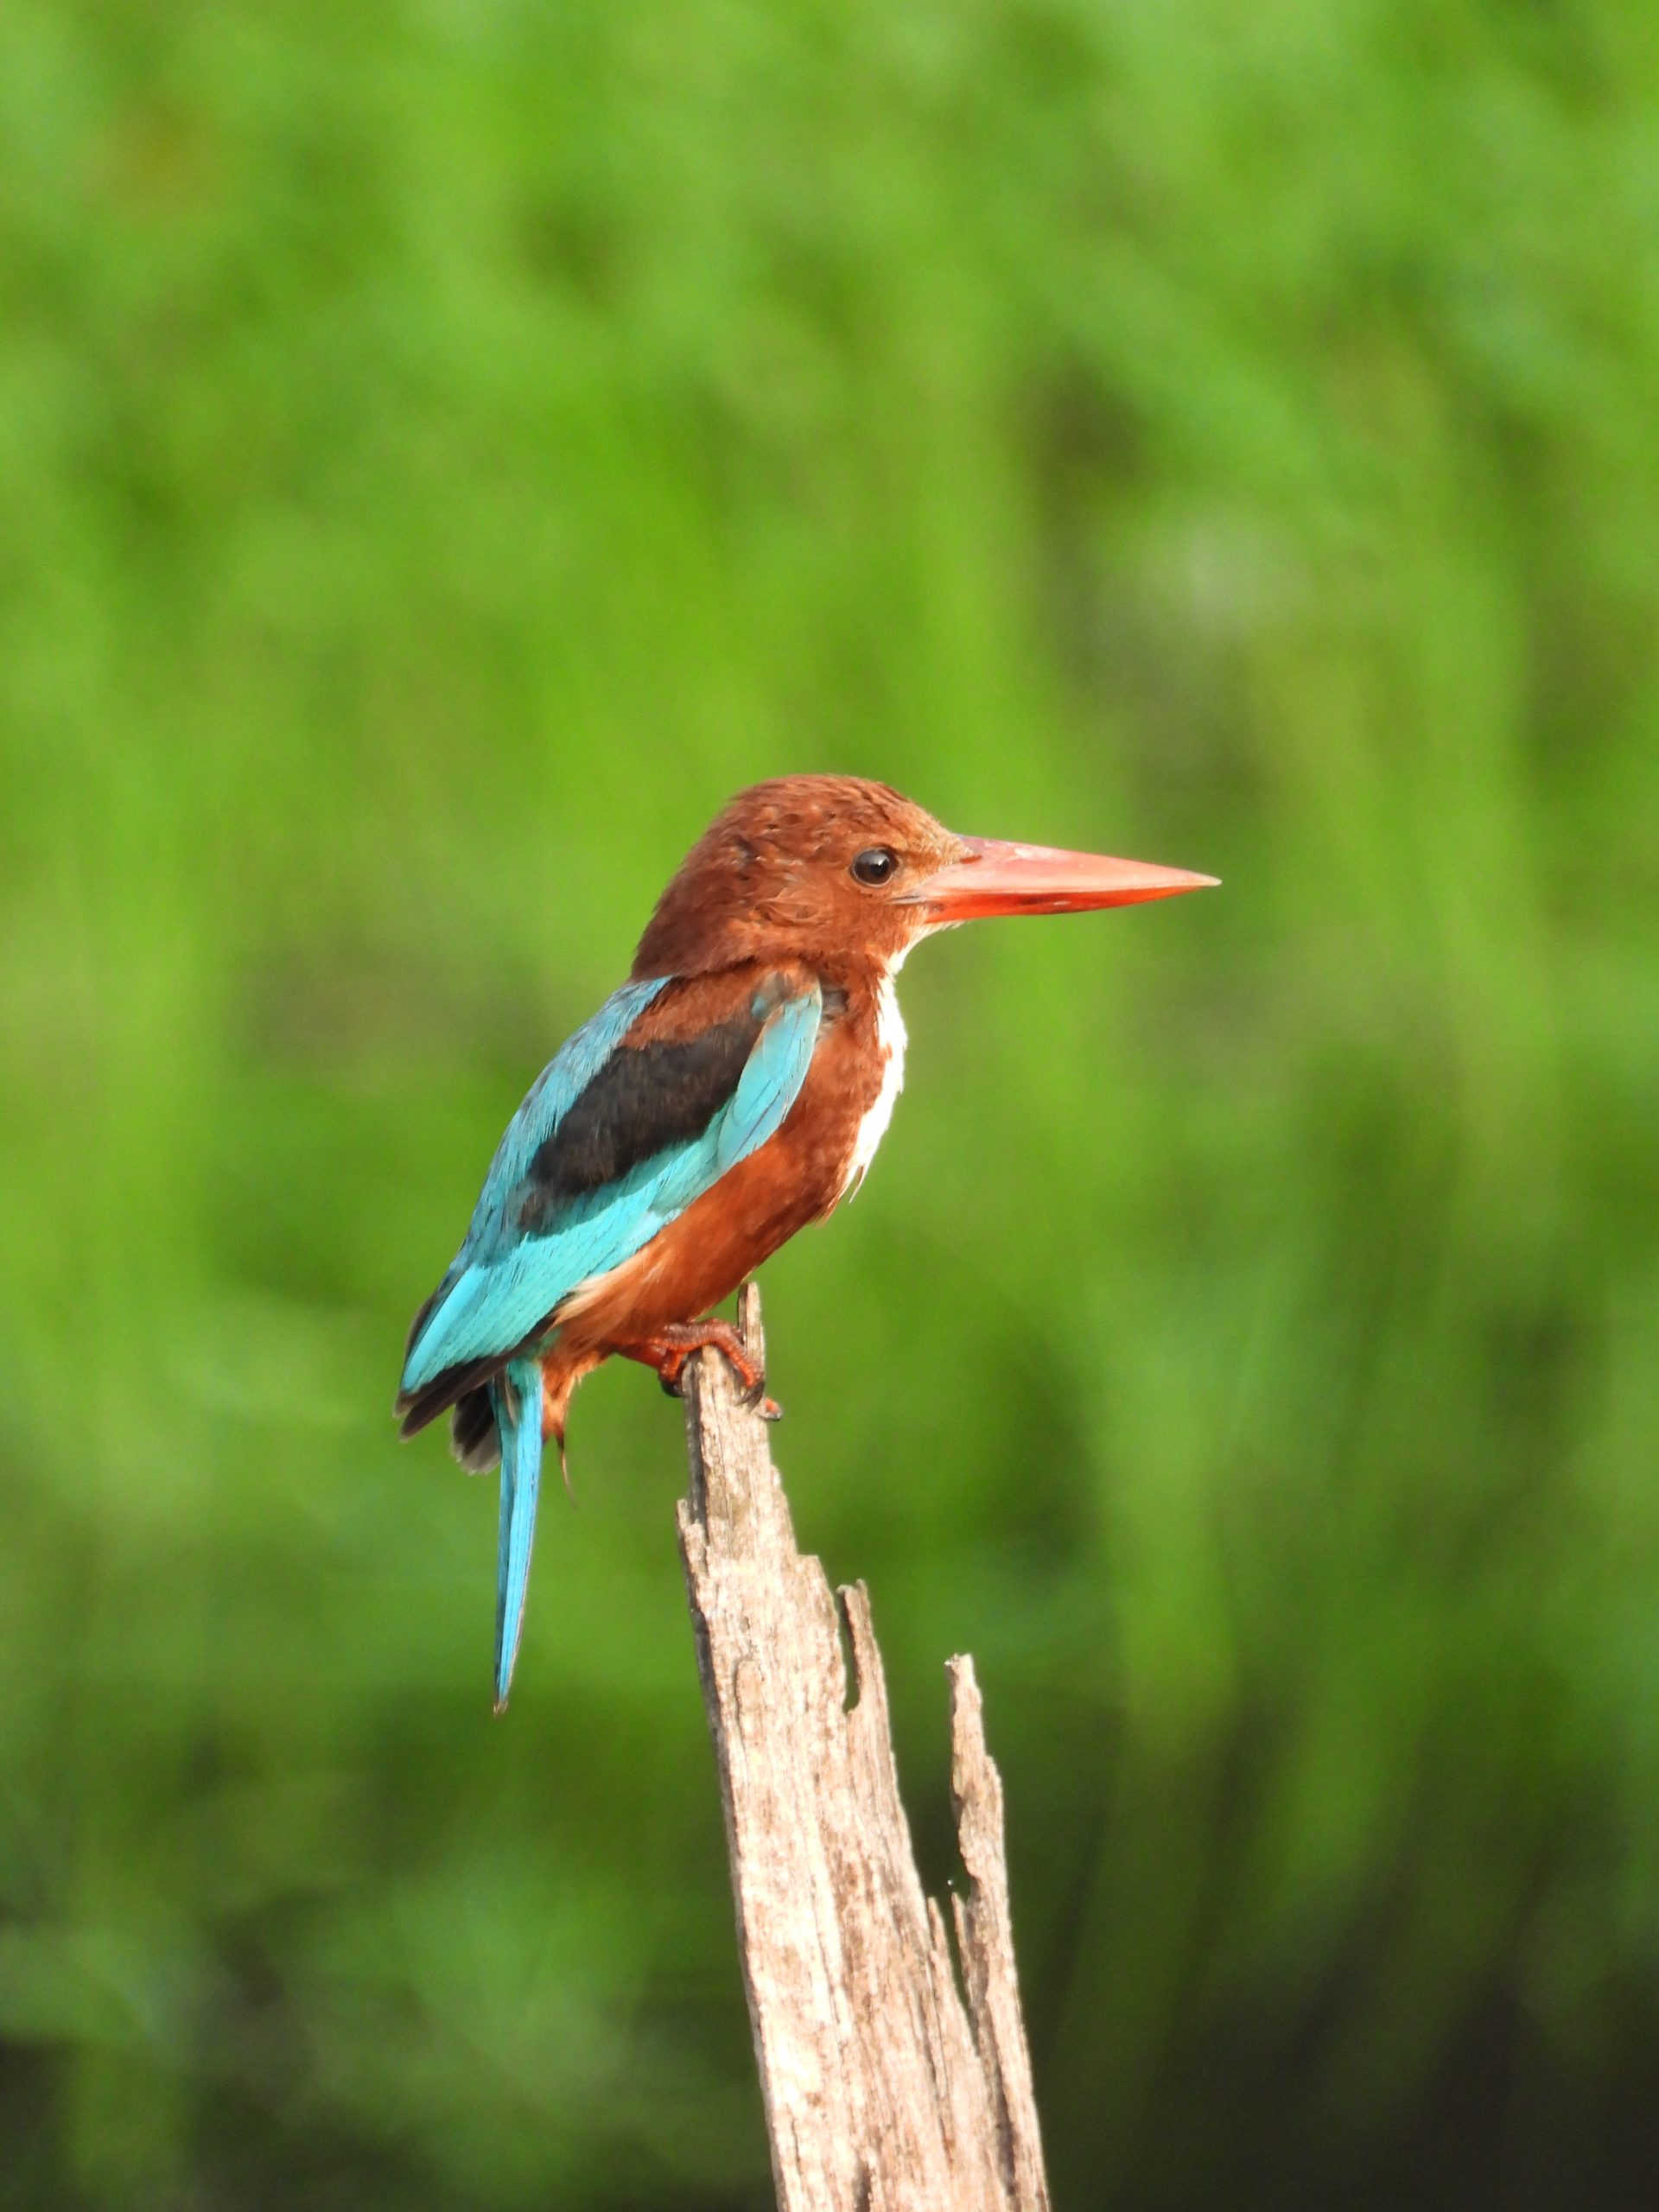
<point x="444" y="450"/>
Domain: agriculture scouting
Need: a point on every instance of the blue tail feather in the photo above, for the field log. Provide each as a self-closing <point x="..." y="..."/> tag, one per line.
<point x="516" y="1396"/>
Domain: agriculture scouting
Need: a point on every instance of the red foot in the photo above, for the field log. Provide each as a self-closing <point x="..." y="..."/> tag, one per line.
<point x="670" y="1349"/>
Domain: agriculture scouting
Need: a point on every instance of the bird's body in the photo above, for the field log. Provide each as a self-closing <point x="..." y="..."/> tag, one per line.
<point x="797" y="1176"/>
<point x="733" y="1091"/>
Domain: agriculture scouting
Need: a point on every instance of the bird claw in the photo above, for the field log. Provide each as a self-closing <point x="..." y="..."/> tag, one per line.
<point x="670" y="1356"/>
<point x="754" y="1398"/>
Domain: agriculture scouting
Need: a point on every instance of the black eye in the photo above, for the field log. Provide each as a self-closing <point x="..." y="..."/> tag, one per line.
<point x="876" y="865"/>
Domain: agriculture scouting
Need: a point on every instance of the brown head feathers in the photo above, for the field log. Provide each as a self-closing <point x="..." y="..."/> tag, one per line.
<point x="815" y="867"/>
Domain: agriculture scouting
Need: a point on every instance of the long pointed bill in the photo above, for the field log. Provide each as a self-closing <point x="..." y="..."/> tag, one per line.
<point x="994" y="878"/>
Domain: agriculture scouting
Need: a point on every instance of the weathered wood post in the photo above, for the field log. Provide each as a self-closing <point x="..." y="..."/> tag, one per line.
<point x="884" y="2091"/>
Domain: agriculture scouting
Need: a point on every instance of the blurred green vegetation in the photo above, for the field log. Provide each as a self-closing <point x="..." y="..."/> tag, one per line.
<point x="446" y="448"/>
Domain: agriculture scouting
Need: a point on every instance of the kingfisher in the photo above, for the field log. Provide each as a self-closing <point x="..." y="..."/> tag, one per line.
<point x="733" y="1089"/>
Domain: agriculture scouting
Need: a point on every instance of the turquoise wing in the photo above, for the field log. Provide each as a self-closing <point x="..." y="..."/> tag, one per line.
<point x="550" y="1218"/>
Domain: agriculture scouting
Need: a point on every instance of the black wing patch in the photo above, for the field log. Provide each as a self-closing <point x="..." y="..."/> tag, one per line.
<point x="644" y="1098"/>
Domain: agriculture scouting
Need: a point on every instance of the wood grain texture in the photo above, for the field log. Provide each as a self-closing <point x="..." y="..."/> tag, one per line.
<point x="884" y="2091"/>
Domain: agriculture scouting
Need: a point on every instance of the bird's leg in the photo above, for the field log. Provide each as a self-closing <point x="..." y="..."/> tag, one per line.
<point x="670" y="1347"/>
<point x="559" y="1380"/>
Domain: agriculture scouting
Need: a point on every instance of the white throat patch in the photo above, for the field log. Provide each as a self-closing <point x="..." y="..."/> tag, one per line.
<point x="890" y="1042"/>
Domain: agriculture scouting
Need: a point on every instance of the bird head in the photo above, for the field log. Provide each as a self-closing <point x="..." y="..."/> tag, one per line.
<point x="834" y="865"/>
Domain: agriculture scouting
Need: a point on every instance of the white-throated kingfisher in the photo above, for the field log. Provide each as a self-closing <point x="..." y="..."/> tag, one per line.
<point x="733" y="1090"/>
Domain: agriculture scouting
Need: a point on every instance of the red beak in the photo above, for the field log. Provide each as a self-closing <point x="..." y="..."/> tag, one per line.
<point x="994" y="878"/>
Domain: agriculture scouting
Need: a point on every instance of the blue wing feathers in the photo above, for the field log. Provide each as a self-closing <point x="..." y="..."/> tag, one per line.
<point x="505" y="1280"/>
<point x="769" y="1082"/>
<point x="444" y="1325"/>
<point x="560" y="1083"/>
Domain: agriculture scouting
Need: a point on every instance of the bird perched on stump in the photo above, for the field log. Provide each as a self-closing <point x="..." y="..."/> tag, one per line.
<point x="733" y="1090"/>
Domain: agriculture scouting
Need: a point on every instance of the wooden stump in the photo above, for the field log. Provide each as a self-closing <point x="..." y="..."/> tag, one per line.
<point x="885" y="2090"/>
